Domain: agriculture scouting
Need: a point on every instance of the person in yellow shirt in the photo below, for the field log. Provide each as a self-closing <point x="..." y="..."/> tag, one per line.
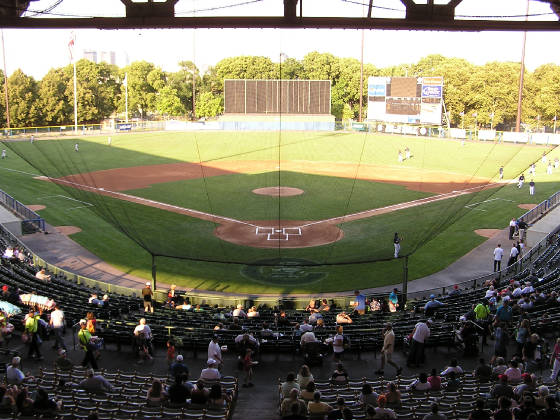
<point x="84" y="338"/>
<point x="31" y="327"/>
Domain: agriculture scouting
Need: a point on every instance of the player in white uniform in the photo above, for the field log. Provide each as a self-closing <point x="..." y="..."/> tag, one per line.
<point x="76" y="148"/>
<point x="397" y="243"/>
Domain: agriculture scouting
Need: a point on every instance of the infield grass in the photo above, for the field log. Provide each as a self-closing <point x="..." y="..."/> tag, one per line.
<point x="439" y="233"/>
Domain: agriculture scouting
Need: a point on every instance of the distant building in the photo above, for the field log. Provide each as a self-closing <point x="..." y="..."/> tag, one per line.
<point x="109" y="57"/>
<point x="90" y="55"/>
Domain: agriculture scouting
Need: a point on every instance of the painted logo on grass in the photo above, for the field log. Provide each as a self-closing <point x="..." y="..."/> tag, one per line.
<point x="282" y="271"/>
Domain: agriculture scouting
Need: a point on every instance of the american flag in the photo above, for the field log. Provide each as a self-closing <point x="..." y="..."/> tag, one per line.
<point x="71" y="45"/>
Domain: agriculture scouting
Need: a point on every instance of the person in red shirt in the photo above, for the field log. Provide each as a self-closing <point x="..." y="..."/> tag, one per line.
<point x="248" y="364"/>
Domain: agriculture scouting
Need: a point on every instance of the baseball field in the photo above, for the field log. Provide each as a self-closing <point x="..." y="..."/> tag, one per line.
<point x="270" y="212"/>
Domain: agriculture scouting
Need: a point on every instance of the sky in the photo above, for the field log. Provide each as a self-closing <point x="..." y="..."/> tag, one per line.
<point x="36" y="51"/>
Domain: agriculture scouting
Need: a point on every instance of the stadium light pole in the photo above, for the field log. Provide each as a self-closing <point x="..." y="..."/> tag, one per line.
<point x="554" y="128"/>
<point x="5" y="84"/>
<point x="491" y="121"/>
<point x="521" y="75"/>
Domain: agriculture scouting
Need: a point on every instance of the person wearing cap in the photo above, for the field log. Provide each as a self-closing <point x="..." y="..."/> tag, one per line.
<point x="432" y="305"/>
<point x="215" y="351"/>
<point x="387" y="350"/>
<point x="502" y="388"/>
<point x="14" y="375"/>
<point x="62" y="362"/>
<point x="147" y="294"/>
<point x="96" y="384"/>
<point x="527" y="385"/>
<point x="359" y="303"/>
<point x="420" y="334"/>
<point x="84" y="338"/>
<point x="179" y="368"/>
<point x="211" y="373"/>
<point x="31" y="327"/>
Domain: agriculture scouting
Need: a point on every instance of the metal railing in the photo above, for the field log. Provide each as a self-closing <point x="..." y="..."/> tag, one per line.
<point x="21" y="210"/>
<point x="541" y="209"/>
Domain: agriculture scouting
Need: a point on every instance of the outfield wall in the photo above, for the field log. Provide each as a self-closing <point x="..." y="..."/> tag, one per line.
<point x="242" y="122"/>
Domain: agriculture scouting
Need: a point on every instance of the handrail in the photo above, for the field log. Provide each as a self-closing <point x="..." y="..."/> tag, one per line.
<point x="22" y="210"/>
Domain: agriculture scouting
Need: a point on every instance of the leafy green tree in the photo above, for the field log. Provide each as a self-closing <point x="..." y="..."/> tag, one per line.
<point x="23" y="99"/>
<point x="168" y="102"/>
<point x="546" y="94"/>
<point x="209" y="105"/>
<point x="245" y="67"/>
<point x="54" y="103"/>
<point x="141" y="93"/>
<point x="3" y="122"/>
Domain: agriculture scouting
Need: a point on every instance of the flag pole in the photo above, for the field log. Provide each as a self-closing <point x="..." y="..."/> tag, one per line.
<point x="126" y="97"/>
<point x="6" y="84"/>
<point x="71" y="49"/>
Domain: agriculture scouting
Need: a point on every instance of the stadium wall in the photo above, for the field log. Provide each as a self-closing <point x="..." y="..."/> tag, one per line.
<point x="281" y="122"/>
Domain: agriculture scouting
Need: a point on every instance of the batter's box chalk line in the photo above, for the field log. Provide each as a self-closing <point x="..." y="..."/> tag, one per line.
<point x="274" y="234"/>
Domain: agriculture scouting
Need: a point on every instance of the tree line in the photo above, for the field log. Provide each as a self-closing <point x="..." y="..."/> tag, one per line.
<point x="485" y="93"/>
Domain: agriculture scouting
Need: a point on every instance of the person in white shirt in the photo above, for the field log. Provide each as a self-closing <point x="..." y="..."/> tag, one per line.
<point x="215" y="351"/>
<point x="307" y="337"/>
<point x="528" y="289"/>
<point x="387" y="350"/>
<point x="453" y="367"/>
<point x="41" y="275"/>
<point x="512" y="226"/>
<point x="239" y="312"/>
<point x="490" y="292"/>
<point x="211" y="373"/>
<point x="513" y="255"/>
<point x="144" y="328"/>
<point x="498" y="254"/>
<point x="252" y="313"/>
<point x="517" y="292"/>
<point x="420" y="333"/>
<point x="57" y="324"/>
<point x="14" y="375"/>
<point x="338" y="343"/>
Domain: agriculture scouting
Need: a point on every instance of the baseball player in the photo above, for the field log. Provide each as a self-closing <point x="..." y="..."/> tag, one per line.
<point x="501" y="172"/>
<point x="3" y="156"/>
<point x="549" y="168"/>
<point x="521" y="181"/>
<point x="400" y="157"/>
<point x="407" y="152"/>
<point x="532" y="169"/>
<point x="397" y="243"/>
<point x="556" y="163"/>
<point x="543" y="159"/>
<point x="532" y="187"/>
<point x="109" y="140"/>
<point x="76" y="148"/>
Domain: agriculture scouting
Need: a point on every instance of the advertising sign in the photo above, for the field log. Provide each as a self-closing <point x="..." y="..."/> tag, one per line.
<point x="429" y="91"/>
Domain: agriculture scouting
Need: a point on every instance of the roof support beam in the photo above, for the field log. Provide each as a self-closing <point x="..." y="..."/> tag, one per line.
<point x="278" y="22"/>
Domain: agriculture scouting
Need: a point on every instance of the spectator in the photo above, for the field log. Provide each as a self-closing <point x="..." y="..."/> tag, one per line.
<point x="42" y="275"/>
<point x="24" y="404"/>
<point x="211" y="373"/>
<point x="217" y="399"/>
<point x="543" y="392"/>
<point x="434" y="380"/>
<point x="431" y="306"/>
<point x="288" y="402"/>
<point x="500" y="367"/>
<point x="531" y="353"/>
<point x="526" y="409"/>
<point x="178" y="368"/>
<point x="381" y="412"/>
<point x="387" y="350"/>
<point x="177" y="392"/>
<point x="504" y="312"/>
<point x="305" y="326"/>
<point x="480" y="413"/>
<point x="62" y="362"/>
<point x="394" y="300"/>
<point x="318" y="407"/>
<point x="199" y="394"/>
<point x="289" y="384"/>
<point x="43" y="405"/>
<point x="420" y="384"/>
<point x="483" y="372"/>
<point x="502" y="388"/>
<point x="393" y="395"/>
<point x="312" y="307"/>
<point x="420" y="334"/>
<point x="339" y="376"/>
<point x="453" y="382"/>
<point x="527" y="385"/>
<point x="325" y="307"/>
<point x="304" y="376"/>
<point x="453" y="367"/>
<point x="341" y="411"/>
<point x="435" y="414"/>
<point x="253" y="313"/>
<point x="343" y="318"/>
<point x="502" y="339"/>
<point x="248" y="364"/>
<point x="308" y="392"/>
<point x="95" y="383"/>
<point x="215" y="351"/>
<point x="504" y="409"/>
<point x="513" y="373"/>
<point x="14" y="375"/>
<point x="555" y="361"/>
<point x="338" y="343"/>
<point x="156" y="395"/>
<point x="359" y="303"/>
<point x="239" y="312"/>
<point x="368" y="396"/>
<point x="551" y="412"/>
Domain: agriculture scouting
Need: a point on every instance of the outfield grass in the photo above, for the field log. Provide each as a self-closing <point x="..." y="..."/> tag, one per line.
<point x="443" y="229"/>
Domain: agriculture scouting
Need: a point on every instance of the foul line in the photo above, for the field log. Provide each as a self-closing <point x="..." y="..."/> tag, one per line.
<point x="21" y="172"/>
<point x="334" y="220"/>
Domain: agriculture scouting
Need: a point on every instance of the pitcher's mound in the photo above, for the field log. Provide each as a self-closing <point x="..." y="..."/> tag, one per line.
<point x="68" y="230"/>
<point x="487" y="233"/>
<point x="527" y="206"/>
<point x="35" y="207"/>
<point x="278" y="191"/>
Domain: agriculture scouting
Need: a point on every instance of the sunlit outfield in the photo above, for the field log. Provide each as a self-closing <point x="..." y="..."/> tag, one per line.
<point x="436" y="234"/>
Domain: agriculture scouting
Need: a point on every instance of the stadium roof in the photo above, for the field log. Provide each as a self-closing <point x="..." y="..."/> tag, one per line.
<point x="418" y="15"/>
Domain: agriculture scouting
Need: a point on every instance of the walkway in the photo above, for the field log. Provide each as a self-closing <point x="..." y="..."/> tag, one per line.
<point x="60" y="250"/>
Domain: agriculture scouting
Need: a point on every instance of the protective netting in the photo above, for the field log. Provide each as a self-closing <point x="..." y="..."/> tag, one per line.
<point x="213" y="196"/>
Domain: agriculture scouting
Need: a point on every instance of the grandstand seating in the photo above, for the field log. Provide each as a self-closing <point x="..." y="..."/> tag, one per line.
<point x="193" y="330"/>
